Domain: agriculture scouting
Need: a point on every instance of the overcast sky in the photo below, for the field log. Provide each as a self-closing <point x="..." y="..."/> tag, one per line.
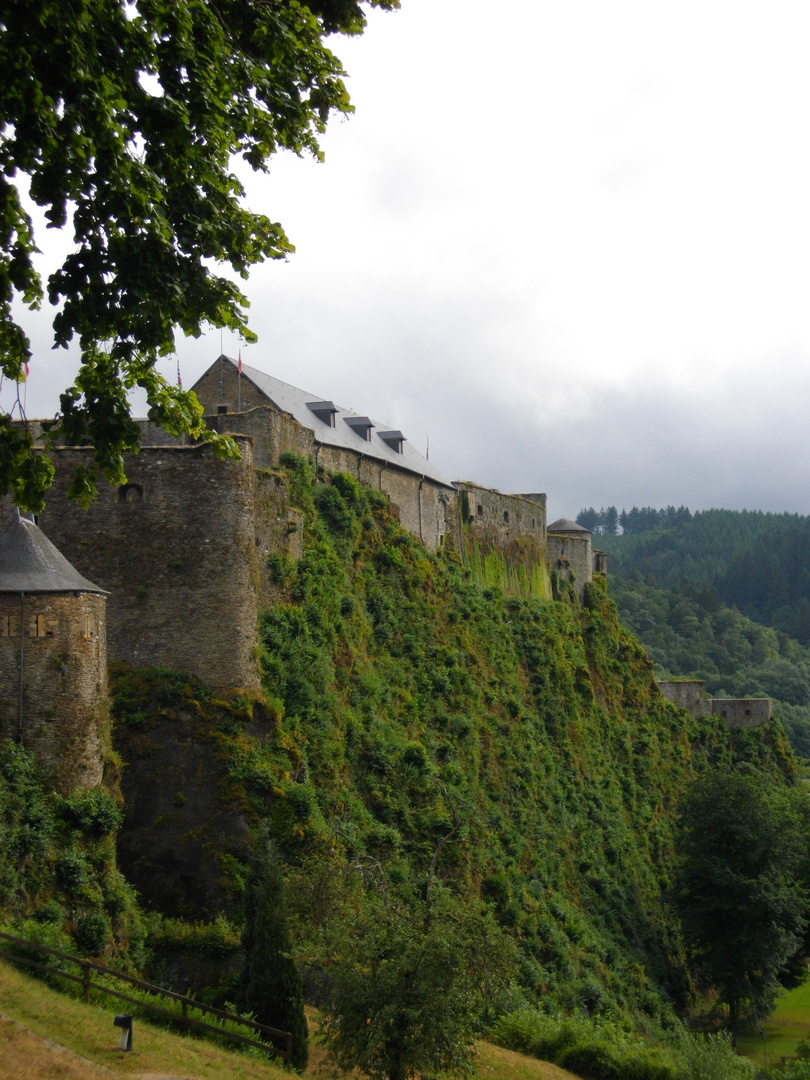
<point x="566" y="242"/>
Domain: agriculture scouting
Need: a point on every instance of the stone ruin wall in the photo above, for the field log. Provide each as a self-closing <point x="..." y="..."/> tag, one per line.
<point x="176" y="549"/>
<point x="690" y="694"/>
<point x="742" y="712"/>
<point x="61" y="640"/>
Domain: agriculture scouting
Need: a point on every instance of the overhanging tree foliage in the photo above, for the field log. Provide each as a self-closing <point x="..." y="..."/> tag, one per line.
<point x="741" y="886"/>
<point x="121" y="119"/>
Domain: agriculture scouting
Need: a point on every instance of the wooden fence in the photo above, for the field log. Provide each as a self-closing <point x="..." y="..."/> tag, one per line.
<point x="182" y="1018"/>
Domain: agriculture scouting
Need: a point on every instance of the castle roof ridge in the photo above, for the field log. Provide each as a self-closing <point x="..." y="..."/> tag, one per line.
<point x="343" y="435"/>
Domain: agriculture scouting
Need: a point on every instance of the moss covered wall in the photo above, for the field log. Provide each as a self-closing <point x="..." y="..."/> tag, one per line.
<point x="503" y="542"/>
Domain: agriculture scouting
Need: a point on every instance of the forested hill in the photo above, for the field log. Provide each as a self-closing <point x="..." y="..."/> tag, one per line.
<point x="720" y="595"/>
<point x="759" y="563"/>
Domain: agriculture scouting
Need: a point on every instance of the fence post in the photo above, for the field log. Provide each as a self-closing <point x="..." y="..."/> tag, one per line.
<point x="184" y="1004"/>
<point x="289" y="1048"/>
<point x="86" y="981"/>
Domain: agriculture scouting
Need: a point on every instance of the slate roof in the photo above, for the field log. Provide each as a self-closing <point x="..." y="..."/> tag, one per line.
<point x="566" y="525"/>
<point x="30" y="563"/>
<point x="296" y="402"/>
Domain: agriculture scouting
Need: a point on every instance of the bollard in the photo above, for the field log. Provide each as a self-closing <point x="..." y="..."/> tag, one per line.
<point x="124" y="1021"/>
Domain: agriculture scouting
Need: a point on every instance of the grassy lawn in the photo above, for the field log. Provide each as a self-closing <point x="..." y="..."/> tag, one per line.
<point x="789" y="1024"/>
<point x="46" y="1035"/>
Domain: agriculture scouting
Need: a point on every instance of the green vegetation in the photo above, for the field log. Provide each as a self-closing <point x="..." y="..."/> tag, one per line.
<point x="685" y="591"/>
<point x="756" y="562"/>
<point x="270" y="988"/>
<point x="87" y="1030"/>
<point x="446" y="773"/>
<point x="59" y="883"/>
<point x="123" y="119"/>
<point x="512" y="750"/>
<point x="783" y="1030"/>
<point x="606" y="522"/>
<point x="607" y="1051"/>
<point x="409" y="988"/>
<point x="739" y="888"/>
<point x="511" y="576"/>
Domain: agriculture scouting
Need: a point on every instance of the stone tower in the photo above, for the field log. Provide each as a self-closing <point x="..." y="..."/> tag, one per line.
<point x="53" y="656"/>
<point x="570" y="553"/>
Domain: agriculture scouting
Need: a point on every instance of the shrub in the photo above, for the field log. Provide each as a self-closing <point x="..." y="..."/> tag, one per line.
<point x="93" y="933"/>
<point x="93" y="812"/>
<point x="603" y="1051"/>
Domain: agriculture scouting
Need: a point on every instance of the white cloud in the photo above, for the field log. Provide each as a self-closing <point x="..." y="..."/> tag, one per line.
<point x="566" y="242"/>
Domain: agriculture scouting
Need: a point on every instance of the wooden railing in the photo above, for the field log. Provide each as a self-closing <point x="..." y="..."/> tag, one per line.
<point x="182" y="1018"/>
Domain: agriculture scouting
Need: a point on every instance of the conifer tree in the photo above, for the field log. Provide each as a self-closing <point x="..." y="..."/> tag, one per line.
<point x="270" y="983"/>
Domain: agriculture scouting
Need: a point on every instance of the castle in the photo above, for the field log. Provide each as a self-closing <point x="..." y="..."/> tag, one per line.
<point x="182" y="547"/>
<point x="183" y="550"/>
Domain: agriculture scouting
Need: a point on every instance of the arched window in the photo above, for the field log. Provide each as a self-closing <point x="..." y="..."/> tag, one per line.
<point x="130" y="493"/>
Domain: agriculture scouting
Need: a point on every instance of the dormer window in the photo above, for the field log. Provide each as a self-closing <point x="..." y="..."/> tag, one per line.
<point x="360" y="425"/>
<point x="324" y="410"/>
<point x="394" y="439"/>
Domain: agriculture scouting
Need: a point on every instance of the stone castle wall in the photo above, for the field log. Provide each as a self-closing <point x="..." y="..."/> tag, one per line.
<point x="742" y="712"/>
<point x="58" y="707"/>
<point x="425" y="508"/>
<point x="222" y="390"/>
<point x="690" y="694"/>
<point x="499" y="518"/>
<point x="511" y="526"/>
<point x="176" y="549"/>
<point x="571" y="558"/>
<point x="185" y="547"/>
<point x="273" y="433"/>
<point x="279" y="530"/>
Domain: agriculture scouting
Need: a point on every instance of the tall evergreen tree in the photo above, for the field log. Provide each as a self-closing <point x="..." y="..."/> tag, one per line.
<point x="270" y="983"/>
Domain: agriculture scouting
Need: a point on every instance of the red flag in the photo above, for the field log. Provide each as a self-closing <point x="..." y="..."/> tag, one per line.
<point x="27" y="372"/>
<point x="239" y="368"/>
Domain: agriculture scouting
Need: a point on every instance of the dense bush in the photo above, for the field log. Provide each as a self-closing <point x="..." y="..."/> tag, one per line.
<point x="608" y="1051"/>
<point x="57" y="864"/>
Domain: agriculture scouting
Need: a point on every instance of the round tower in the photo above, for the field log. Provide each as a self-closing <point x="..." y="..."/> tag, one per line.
<point x="53" y="656"/>
<point x="570" y="553"/>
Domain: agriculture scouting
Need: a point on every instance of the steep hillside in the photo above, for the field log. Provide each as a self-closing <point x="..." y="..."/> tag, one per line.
<point x="418" y="720"/>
